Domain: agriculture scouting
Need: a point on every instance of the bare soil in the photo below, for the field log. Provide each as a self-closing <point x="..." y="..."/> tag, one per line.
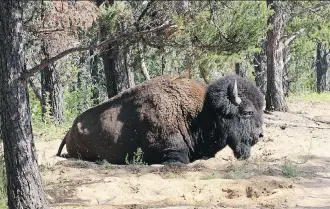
<point x="290" y="168"/>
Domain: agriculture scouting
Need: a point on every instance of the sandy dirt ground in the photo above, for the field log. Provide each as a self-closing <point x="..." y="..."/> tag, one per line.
<point x="290" y="168"/>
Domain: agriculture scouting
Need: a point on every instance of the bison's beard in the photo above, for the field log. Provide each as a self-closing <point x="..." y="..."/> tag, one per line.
<point x="241" y="151"/>
<point x="241" y="146"/>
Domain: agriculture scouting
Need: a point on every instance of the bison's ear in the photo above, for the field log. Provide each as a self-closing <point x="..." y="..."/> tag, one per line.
<point x="233" y="94"/>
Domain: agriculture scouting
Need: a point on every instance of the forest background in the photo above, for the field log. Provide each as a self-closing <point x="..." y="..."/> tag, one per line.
<point x="283" y="46"/>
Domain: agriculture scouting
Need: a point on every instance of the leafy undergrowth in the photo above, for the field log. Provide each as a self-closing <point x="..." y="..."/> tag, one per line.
<point x="48" y="132"/>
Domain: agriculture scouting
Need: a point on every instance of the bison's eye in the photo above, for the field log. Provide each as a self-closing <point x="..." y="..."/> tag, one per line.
<point x="247" y="113"/>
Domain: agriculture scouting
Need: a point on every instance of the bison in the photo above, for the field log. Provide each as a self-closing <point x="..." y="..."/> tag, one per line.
<point x="171" y="120"/>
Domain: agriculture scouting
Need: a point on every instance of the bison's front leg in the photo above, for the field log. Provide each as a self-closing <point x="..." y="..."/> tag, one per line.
<point x="175" y="156"/>
<point x="173" y="149"/>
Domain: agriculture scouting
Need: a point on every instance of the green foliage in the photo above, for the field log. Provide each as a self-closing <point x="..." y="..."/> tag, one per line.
<point x="309" y="22"/>
<point x="313" y="17"/>
<point x="302" y="65"/>
<point x="137" y="158"/>
<point x="114" y="14"/>
<point x="48" y="119"/>
<point x="212" y="37"/>
<point x="45" y="130"/>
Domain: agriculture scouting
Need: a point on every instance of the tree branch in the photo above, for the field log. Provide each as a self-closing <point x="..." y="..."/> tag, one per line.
<point x="284" y="125"/>
<point x="145" y="11"/>
<point x="313" y="8"/>
<point x="103" y="44"/>
<point x="293" y="37"/>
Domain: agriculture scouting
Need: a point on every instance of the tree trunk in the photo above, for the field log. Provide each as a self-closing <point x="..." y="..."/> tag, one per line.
<point x="79" y="101"/>
<point x="95" y="77"/>
<point x="275" y="99"/>
<point x="143" y="65"/>
<point x="117" y="66"/>
<point x="108" y="66"/>
<point x="322" y="65"/>
<point x="82" y="99"/>
<point x="51" y="89"/>
<point x="286" y="79"/>
<point x="118" y="73"/>
<point x="24" y="182"/>
<point x="163" y="64"/>
<point x="242" y="68"/>
<point x="260" y="67"/>
<point x="129" y="67"/>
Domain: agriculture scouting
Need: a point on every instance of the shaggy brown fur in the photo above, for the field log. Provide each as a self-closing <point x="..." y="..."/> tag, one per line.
<point x="173" y="120"/>
<point x="151" y="115"/>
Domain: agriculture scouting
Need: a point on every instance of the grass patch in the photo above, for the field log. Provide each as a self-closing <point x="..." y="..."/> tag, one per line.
<point x="213" y="175"/>
<point x="236" y="173"/>
<point x="230" y="173"/>
<point x="171" y="175"/>
<point x="310" y="97"/>
<point x="105" y="164"/>
<point x="290" y="170"/>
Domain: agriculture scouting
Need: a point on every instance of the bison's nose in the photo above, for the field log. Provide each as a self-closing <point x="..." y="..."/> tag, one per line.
<point x="261" y="135"/>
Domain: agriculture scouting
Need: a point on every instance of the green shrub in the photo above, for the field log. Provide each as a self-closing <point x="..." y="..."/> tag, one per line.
<point x="137" y="158"/>
<point x="290" y="170"/>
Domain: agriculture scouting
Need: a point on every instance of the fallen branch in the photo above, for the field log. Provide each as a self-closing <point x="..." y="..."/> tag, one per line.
<point x="284" y="125"/>
<point x="316" y="120"/>
<point x="104" y="43"/>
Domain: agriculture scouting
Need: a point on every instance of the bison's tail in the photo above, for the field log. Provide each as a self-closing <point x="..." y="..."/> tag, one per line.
<point x="62" y="144"/>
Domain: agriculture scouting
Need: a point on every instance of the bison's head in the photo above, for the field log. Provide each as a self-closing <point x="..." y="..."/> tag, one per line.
<point x="234" y="108"/>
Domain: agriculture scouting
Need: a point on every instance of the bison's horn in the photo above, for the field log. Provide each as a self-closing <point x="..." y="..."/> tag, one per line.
<point x="234" y="95"/>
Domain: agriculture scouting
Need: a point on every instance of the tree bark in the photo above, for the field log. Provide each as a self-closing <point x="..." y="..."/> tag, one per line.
<point x="260" y="67"/>
<point x="118" y="73"/>
<point x="322" y="65"/>
<point x="163" y="64"/>
<point x="80" y="101"/>
<point x="286" y="78"/>
<point x="275" y="99"/>
<point x="143" y="65"/>
<point x="95" y="77"/>
<point x="117" y="65"/>
<point x="52" y="88"/>
<point x="241" y="68"/>
<point x="24" y="182"/>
